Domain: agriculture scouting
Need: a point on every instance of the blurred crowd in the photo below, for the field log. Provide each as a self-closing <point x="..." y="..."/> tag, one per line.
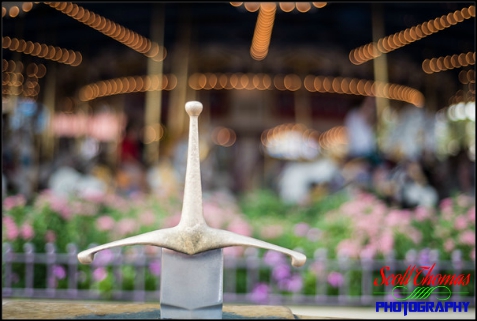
<point x="406" y="175"/>
<point x="405" y="171"/>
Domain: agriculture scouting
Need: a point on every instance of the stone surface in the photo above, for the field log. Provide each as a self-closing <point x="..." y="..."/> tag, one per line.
<point x="22" y="309"/>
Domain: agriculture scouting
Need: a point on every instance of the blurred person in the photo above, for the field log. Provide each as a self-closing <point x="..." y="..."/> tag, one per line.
<point x="464" y="173"/>
<point x="357" y="173"/>
<point x="360" y="125"/>
<point x="437" y="173"/>
<point x="382" y="184"/>
<point x="162" y="178"/>
<point x="130" y="177"/>
<point x="411" y="186"/>
<point x="412" y="136"/>
<point x="130" y="146"/>
<point x="300" y="182"/>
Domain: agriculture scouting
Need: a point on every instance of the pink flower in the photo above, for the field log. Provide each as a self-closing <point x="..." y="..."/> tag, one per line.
<point x="467" y="238"/>
<point x="81" y="208"/>
<point x="9" y="202"/>
<point x="394" y="217"/>
<point x="313" y="234"/>
<point x="241" y="227"/>
<point x="234" y="251"/>
<point x="379" y="210"/>
<point x="421" y="213"/>
<point x="66" y="213"/>
<point x="335" y="279"/>
<point x="348" y="248"/>
<point x="463" y="200"/>
<point x="369" y="225"/>
<point x="105" y="223"/>
<point x="13" y="201"/>
<point x="94" y="197"/>
<point x="126" y="226"/>
<point x="271" y="231"/>
<point x="367" y="198"/>
<point x="99" y="274"/>
<point x="447" y="213"/>
<point x="117" y="202"/>
<point x="414" y="235"/>
<point x="11" y="229"/>
<point x="353" y="208"/>
<point x="213" y="215"/>
<point x="294" y="283"/>
<point x="59" y="204"/>
<point x="103" y="257"/>
<point x="446" y="203"/>
<point x="89" y="209"/>
<point x="471" y="214"/>
<point x="50" y="236"/>
<point x="172" y="221"/>
<point x="281" y="271"/>
<point x="59" y="272"/>
<point x="260" y="293"/>
<point x="449" y="245"/>
<point x="460" y="223"/>
<point x="301" y="229"/>
<point x="386" y="243"/>
<point x="155" y="267"/>
<point x="27" y="231"/>
<point x="147" y="218"/>
<point x="152" y="250"/>
<point x="273" y="258"/>
<point x="368" y="252"/>
<point x="317" y="268"/>
<point x="472" y="254"/>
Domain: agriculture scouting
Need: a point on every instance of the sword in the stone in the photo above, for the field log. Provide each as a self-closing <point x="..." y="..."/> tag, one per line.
<point x="191" y="284"/>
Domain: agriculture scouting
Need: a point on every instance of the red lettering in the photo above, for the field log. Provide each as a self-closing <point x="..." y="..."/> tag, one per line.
<point x="397" y="279"/>
<point x="466" y="280"/>
<point x="416" y="283"/>
<point x="383" y="276"/>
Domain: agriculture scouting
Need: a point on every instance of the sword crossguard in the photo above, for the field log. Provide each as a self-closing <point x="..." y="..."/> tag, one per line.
<point x="192" y="235"/>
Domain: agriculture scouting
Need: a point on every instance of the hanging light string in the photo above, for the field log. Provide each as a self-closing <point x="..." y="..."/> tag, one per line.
<point x="260" y="81"/>
<point x="284" y="6"/>
<point x="263" y="31"/>
<point x="111" y="29"/>
<point x="400" y="39"/>
<point x="17" y="80"/>
<point x="41" y="50"/>
<point x="266" y="19"/>
<point x="14" y="10"/>
<point x="433" y="65"/>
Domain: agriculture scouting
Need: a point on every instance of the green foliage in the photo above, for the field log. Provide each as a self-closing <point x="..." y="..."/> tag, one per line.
<point x="341" y="223"/>
<point x="263" y="203"/>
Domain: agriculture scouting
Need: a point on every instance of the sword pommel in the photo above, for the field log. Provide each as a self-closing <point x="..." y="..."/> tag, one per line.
<point x="193" y="108"/>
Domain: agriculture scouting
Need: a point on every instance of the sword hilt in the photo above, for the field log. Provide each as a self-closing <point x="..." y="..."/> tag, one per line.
<point x="192" y="235"/>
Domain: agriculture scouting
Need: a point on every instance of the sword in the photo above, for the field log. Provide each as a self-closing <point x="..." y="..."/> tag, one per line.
<point x="192" y="255"/>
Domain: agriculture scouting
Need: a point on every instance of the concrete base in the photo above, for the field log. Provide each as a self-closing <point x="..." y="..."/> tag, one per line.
<point x="22" y="309"/>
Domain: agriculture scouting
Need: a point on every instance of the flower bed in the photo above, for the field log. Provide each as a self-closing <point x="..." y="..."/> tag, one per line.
<point x="353" y="225"/>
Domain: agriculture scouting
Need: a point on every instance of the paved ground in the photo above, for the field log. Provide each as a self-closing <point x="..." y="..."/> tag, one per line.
<point x="370" y="313"/>
<point x="338" y="312"/>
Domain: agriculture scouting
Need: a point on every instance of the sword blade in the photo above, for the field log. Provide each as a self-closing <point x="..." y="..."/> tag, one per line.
<point x="191" y="285"/>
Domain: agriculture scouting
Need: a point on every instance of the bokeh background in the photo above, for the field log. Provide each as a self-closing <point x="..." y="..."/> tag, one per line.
<point x="343" y="130"/>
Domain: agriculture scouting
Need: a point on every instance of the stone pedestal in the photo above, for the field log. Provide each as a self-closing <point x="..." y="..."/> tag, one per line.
<point x="21" y="309"/>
